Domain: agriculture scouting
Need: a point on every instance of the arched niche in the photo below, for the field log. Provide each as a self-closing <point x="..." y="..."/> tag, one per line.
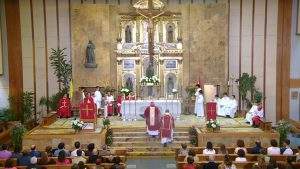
<point x="128" y="34"/>
<point x="145" y="65"/>
<point x="129" y="81"/>
<point x="170" y="83"/>
<point x="170" y="33"/>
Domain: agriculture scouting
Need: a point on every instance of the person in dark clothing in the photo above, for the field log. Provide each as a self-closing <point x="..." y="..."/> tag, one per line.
<point x="117" y="161"/>
<point x="257" y="148"/>
<point x="24" y="160"/>
<point x="211" y="164"/>
<point x="34" y="152"/>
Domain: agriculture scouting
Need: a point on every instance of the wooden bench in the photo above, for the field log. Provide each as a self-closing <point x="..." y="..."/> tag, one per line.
<point x="239" y="165"/>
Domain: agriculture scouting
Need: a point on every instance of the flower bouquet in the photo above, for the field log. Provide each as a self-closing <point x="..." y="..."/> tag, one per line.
<point x="149" y="81"/>
<point x="212" y="125"/>
<point x="125" y="91"/>
<point x="77" y="125"/>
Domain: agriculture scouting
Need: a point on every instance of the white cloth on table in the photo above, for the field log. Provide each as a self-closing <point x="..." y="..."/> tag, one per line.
<point x="225" y="105"/>
<point x="98" y="98"/>
<point x="133" y="109"/>
<point x="199" y="110"/>
<point x="254" y="112"/>
<point x="167" y="139"/>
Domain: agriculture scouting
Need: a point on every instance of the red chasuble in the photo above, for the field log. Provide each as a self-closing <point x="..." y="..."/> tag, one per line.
<point x="64" y="107"/>
<point x="88" y="109"/>
<point x="152" y="116"/>
<point x="167" y="124"/>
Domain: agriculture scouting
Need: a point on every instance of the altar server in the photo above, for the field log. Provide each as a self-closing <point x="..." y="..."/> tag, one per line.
<point x="166" y="129"/>
<point x="224" y="105"/>
<point x="98" y="98"/>
<point x="232" y="107"/>
<point x="217" y="100"/>
<point x="199" y="110"/>
<point x="255" y="115"/>
<point x="109" y="102"/>
<point x="152" y="116"/>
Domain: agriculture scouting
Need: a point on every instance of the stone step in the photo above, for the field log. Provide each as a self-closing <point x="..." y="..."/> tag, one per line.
<point x="170" y="147"/>
<point x="143" y="143"/>
<point x="143" y="133"/>
<point x="143" y="129"/>
<point x="145" y="138"/>
<point x="152" y="153"/>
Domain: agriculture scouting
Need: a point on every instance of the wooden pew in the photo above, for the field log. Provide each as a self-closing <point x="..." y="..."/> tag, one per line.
<point x="90" y="166"/>
<point x="239" y="165"/>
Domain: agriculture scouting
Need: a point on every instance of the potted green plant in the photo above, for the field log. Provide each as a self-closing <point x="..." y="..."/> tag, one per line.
<point x="193" y="135"/>
<point x="17" y="135"/>
<point x="108" y="137"/>
<point x="106" y="123"/>
<point x="246" y="86"/>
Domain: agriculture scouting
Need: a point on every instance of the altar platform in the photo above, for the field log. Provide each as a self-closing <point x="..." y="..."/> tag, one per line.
<point x="131" y="134"/>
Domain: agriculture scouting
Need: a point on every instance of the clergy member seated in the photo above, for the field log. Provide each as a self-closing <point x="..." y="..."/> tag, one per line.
<point x="232" y="107"/>
<point x="64" y="107"/>
<point x="255" y="115"/>
<point x="166" y="129"/>
<point x="88" y="108"/>
<point x="152" y="116"/>
<point x="110" y="104"/>
<point x="224" y="104"/>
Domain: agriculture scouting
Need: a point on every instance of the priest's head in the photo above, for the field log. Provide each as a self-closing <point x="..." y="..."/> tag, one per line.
<point x="152" y="104"/>
<point x="167" y="111"/>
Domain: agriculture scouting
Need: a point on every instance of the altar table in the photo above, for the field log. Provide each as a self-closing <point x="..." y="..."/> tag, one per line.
<point x="133" y="109"/>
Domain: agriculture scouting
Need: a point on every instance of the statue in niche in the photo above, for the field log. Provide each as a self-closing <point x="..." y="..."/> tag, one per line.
<point x="90" y="55"/>
<point x="129" y="84"/>
<point x="128" y="36"/>
<point x="150" y="71"/>
<point x="170" y="85"/>
<point x="170" y="34"/>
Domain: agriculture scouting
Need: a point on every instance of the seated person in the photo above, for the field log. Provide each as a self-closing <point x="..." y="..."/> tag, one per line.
<point x="222" y="149"/>
<point x="255" y="115"/>
<point x="209" y="150"/>
<point x="272" y="164"/>
<point x="298" y="154"/>
<point x="24" y="160"/>
<point x="116" y="161"/>
<point x="90" y="150"/>
<point x="33" y="163"/>
<point x="211" y="164"/>
<point x="241" y="156"/>
<point x="192" y="154"/>
<point x="104" y="151"/>
<point x="240" y="145"/>
<point x="78" y="158"/>
<point x="227" y="163"/>
<point x="183" y="151"/>
<point x="16" y="153"/>
<point x="77" y="147"/>
<point x="274" y="149"/>
<point x="9" y="164"/>
<point x="34" y="152"/>
<point x="61" y="147"/>
<point x="61" y="159"/>
<point x="4" y="153"/>
<point x="190" y="163"/>
<point x="45" y="160"/>
<point x="286" y="150"/>
<point x="257" y="148"/>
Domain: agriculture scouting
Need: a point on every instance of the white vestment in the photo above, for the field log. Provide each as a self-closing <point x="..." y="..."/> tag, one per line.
<point x="224" y="106"/>
<point x="98" y="98"/>
<point x="232" y="108"/>
<point x="254" y="112"/>
<point x="217" y="100"/>
<point x="199" y="110"/>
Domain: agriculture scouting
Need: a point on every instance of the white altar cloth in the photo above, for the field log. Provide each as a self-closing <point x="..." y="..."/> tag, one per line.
<point x="133" y="109"/>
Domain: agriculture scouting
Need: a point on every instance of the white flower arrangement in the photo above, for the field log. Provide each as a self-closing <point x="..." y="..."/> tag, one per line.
<point x="150" y="81"/>
<point x="125" y="91"/>
<point x="77" y="124"/>
<point x="213" y="124"/>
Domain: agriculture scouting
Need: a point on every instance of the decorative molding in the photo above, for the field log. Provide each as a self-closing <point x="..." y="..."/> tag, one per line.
<point x="294" y="83"/>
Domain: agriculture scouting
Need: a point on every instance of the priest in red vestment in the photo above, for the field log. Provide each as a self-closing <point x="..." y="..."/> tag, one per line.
<point x="88" y="108"/>
<point x="166" y="129"/>
<point x="64" y="107"/>
<point x="152" y="116"/>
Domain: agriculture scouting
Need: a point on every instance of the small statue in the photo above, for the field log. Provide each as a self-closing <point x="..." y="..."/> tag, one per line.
<point x="129" y="84"/>
<point x="90" y="56"/>
<point x="170" y="85"/>
<point x="150" y="71"/>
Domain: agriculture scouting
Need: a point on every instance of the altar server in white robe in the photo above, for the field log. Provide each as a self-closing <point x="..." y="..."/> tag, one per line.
<point x="233" y="107"/>
<point x="199" y="110"/>
<point x="98" y="98"/>
<point x="255" y="114"/>
<point x="217" y="100"/>
<point x="225" y="103"/>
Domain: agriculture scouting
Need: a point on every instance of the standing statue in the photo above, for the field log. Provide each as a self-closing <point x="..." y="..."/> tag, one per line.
<point x="170" y="85"/>
<point x="90" y="55"/>
<point x="129" y="84"/>
<point x="170" y="34"/>
<point x="128" y="36"/>
<point x="150" y="71"/>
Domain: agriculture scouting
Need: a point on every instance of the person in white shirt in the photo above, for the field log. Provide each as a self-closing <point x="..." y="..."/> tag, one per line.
<point x="286" y="150"/>
<point x="217" y="100"/>
<point x="274" y="149"/>
<point x="240" y="145"/>
<point x="241" y="156"/>
<point x="77" y="147"/>
<point x="78" y="158"/>
<point x="255" y="115"/>
<point x="199" y="109"/>
<point x="98" y="98"/>
<point x="209" y="150"/>
<point x="224" y="103"/>
<point x="232" y="107"/>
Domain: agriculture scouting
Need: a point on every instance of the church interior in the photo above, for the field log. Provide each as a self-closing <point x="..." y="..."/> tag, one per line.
<point x="150" y="84"/>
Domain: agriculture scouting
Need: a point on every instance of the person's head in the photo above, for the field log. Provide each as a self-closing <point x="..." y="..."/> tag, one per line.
<point x="33" y="160"/>
<point x="274" y="143"/>
<point x="108" y="93"/>
<point x="65" y="95"/>
<point x="88" y="94"/>
<point x="227" y="160"/>
<point x="225" y="94"/>
<point x="61" y="146"/>
<point x="216" y="96"/>
<point x="77" y="145"/>
<point x="167" y="111"/>
<point x="223" y="149"/>
<point x="79" y="153"/>
<point x="4" y="147"/>
<point x="183" y="146"/>
<point x="257" y="143"/>
<point x="198" y="85"/>
<point x="97" y="88"/>
<point x="117" y="160"/>
<point x="48" y="150"/>
<point x="241" y="153"/>
<point x="152" y="104"/>
<point x="44" y="156"/>
<point x="286" y="142"/>
<point x="61" y="156"/>
<point x="9" y="163"/>
<point x="104" y="147"/>
<point x="211" y="158"/>
<point x="200" y="91"/>
<point x="33" y="147"/>
<point x="91" y="147"/>
<point x="232" y="96"/>
<point x="190" y="159"/>
<point x="259" y="105"/>
<point x="191" y="153"/>
<point x="81" y="165"/>
<point x="75" y="166"/>
<point x="209" y="145"/>
<point x="240" y="143"/>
